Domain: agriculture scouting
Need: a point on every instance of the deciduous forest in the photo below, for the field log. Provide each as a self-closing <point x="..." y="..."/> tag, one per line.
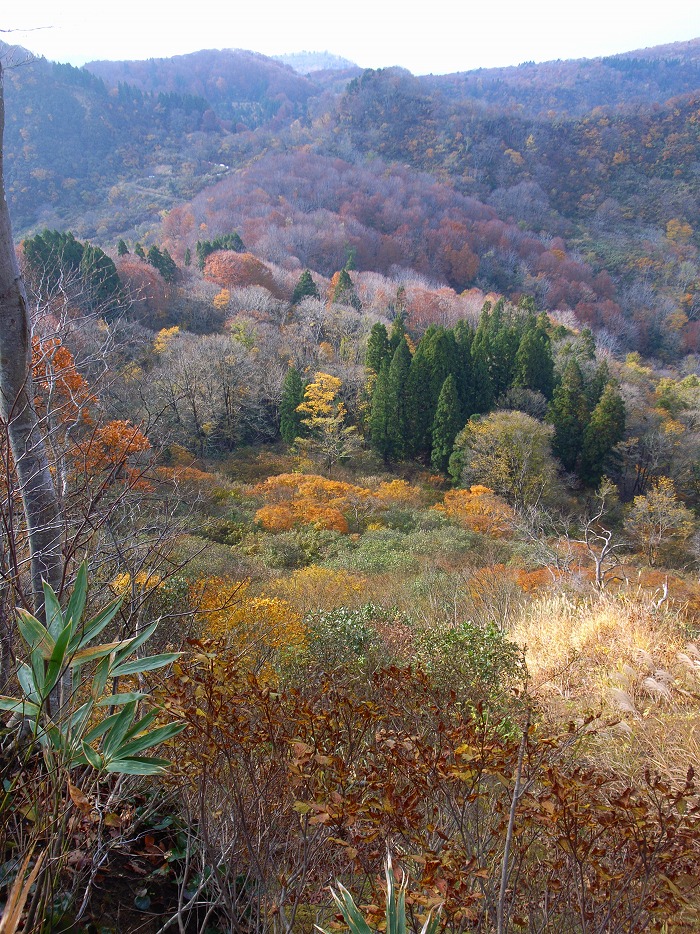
<point x="349" y="492"/>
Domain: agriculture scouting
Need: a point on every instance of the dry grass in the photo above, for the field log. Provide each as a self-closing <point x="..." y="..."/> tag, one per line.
<point x="624" y="657"/>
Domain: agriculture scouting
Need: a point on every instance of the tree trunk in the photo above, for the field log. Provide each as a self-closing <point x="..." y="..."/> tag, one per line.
<point x="39" y="499"/>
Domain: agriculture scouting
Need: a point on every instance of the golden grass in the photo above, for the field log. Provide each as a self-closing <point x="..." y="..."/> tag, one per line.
<point x="627" y="659"/>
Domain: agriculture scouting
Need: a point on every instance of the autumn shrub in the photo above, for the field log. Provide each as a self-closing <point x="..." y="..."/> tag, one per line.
<point x="285" y="789"/>
<point x="261" y="627"/>
<point x="479" y="663"/>
<point x="353" y="640"/>
<point x="478" y="509"/>
<point x="299" y="547"/>
<point x="319" y="588"/>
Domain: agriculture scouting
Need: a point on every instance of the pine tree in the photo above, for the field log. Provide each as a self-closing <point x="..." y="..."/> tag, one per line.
<point x="399" y="369"/>
<point x="419" y="408"/>
<point x="398" y="329"/>
<point x="140" y="252"/>
<point x="568" y="413"/>
<point x="168" y="266"/>
<point x="380" y="417"/>
<point x="464" y="338"/>
<point x="481" y="389"/>
<point x="305" y="288"/>
<point x="605" y="429"/>
<point x="292" y="397"/>
<point x="446" y="424"/>
<point x="188" y="257"/>
<point x="122" y="248"/>
<point x="534" y="366"/>
<point x="342" y="291"/>
<point x="377" y="348"/>
<point x="388" y="420"/>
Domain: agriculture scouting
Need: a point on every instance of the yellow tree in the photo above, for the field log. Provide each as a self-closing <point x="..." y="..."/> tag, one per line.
<point x="658" y="521"/>
<point x="324" y="414"/>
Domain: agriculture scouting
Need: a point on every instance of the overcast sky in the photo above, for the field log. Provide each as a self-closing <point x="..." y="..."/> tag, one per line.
<point x="436" y="36"/>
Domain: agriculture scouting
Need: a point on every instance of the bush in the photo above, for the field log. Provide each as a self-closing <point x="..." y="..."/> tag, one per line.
<point x="476" y="662"/>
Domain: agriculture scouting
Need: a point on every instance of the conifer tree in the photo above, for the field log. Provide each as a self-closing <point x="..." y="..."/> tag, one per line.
<point x="140" y="252"/>
<point x="568" y="413"/>
<point x="305" y="288"/>
<point x="464" y="338"/>
<point x="388" y="420"/>
<point x="446" y="424"/>
<point x="420" y="410"/>
<point x="399" y="369"/>
<point x="292" y="397"/>
<point x="188" y="257"/>
<point x="398" y="328"/>
<point x="342" y="291"/>
<point x="534" y="366"/>
<point x="122" y="248"/>
<point x="441" y="351"/>
<point x="605" y="429"/>
<point x="377" y="348"/>
<point x="168" y="266"/>
<point x="481" y="388"/>
<point x="380" y="418"/>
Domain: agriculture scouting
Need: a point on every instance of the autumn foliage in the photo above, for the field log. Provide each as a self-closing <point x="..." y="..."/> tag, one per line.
<point x="325" y="777"/>
<point x="478" y="509"/>
<point x="229" y="269"/>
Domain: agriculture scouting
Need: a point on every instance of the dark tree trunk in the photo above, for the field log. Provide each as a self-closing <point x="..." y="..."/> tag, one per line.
<point x="39" y="499"/>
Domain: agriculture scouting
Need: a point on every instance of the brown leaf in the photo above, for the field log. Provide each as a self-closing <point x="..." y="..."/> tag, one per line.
<point x="79" y="799"/>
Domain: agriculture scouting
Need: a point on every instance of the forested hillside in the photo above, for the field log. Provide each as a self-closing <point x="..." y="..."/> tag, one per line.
<point x="367" y="412"/>
<point x="599" y="154"/>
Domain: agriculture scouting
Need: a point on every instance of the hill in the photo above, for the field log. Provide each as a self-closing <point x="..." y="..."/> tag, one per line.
<point x="601" y="155"/>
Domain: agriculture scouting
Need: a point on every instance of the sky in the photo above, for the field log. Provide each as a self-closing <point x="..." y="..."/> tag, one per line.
<point x="438" y="36"/>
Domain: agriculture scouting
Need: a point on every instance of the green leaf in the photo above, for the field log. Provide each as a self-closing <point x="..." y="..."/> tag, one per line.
<point x="154" y="738"/>
<point x="78" y="721"/>
<point x="139" y="665"/>
<point x="100" y="728"/>
<point x="350" y="912"/>
<point x="111" y="700"/>
<point x="99" y="679"/>
<point x="94" y="758"/>
<point x="76" y="604"/>
<point x="34" y="633"/>
<point x="38" y="672"/>
<point x="138" y="765"/>
<point x="98" y="651"/>
<point x="136" y="642"/>
<point x="25" y="677"/>
<point x="57" y="662"/>
<point x="118" y="729"/>
<point x="54" y="616"/>
<point x="17" y="705"/>
<point x="92" y="629"/>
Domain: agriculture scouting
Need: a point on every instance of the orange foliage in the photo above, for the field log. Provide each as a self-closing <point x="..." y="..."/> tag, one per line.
<point x="108" y="452"/>
<point x="231" y="270"/>
<point x="317" y="588"/>
<point x="58" y="383"/>
<point x="533" y="581"/>
<point x="398" y="492"/>
<point x="145" y="287"/>
<point x="309" y="499"/>
<point x="255" y="626"/>
<point x="478" y="509"/>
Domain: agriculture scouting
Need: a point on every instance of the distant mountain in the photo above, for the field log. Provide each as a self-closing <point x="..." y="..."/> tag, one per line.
<point x="307" y="62"/>
<point x="241" y="87"/>
<point x="600" y="157"/>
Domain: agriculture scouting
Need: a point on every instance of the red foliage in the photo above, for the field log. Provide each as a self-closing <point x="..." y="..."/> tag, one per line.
<point x="229" y="269"/>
